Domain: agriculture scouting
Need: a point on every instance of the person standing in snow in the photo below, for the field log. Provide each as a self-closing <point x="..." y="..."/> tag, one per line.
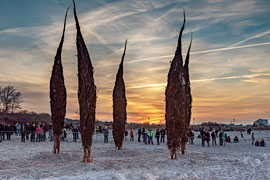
<point x="150" y="134"/>
<point x="223" y="138"/>
<point x="126" y="134"/>
<point x="33" y="132"/>
<point x="157" y="136"/>
<point x="106" y="135"/>
<point x="131" y="135"/>
<point x="23" y="131"/>
<point x="207" y="137"/>
<point x="241" y="133"/>
<point x="252" y="138"/>
<point x="75" y="132"/>
<point x="51" y="132"/>
<point x="213" y="135"/>
<point x="9" y="132"/>
<point x="139" y="134"/>
<point x="203" y="136"/>
<point x="44" y="129"/>
<point x="144" y="136"/>
<point x="162" y="133"/>
<point x="220" y="138"/>
<point x="1" y="131"/>
<point x="38" y="132"/>
<point x="28" y="130"/>
<point x="190" y="137"/>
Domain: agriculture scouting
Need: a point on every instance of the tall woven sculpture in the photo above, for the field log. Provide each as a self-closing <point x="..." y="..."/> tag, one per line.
<point x="119" y="106"/>
<point x="58" y="95"/>
<point x="178" y="100"/>
<point x="86" y="92"/>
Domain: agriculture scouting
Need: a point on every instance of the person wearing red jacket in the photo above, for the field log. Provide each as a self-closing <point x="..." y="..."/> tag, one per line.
<point x="38" y="132"/>
<point x="131" y="135"/>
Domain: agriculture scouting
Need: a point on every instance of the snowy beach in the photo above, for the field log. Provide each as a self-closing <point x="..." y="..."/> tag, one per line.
<point x="136" y="161"/>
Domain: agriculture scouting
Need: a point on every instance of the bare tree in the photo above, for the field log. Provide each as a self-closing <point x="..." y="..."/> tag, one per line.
<point x="86" y="93"/>
<point x="178" y="100"/>
<point x="58" y="94"/>
<point x="10" y="99"/>
<point x="119" y="106"/>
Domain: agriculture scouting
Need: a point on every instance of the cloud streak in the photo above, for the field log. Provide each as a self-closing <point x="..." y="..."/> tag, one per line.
<point x="203" y="80"/>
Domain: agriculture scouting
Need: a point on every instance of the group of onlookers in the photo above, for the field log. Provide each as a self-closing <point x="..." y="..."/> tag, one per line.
<point x="34" y="132"/>
<point x="37" y="133"/>
<point x="147" y="137"/>
<point x="213" y="135"/>
<point x="208" y="135"/>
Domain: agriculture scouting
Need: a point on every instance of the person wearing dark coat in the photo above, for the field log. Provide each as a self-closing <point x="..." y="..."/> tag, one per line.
<point x="207" y="138"/>
<point x="106" y="135"/>
<point x="126" y="134"/>
<point x="203" y="136"/>
<point x="75" y="132"/>
<point x="157" y="135"/>
<point x="28" y="130"/>
<point x="235" y="140"/>
<point x="162" y="133"/>
<point x="139" y="134"/>
<point x="144" y="135"/>
<point x="23" y="132"/>
<point x="1" y="131"/>
<point x="33" y="133"/>
<point x="10" y="130"/>
<point x="190" y="137"/>
<point x="262" y="143"/>
<point x="213" y="135"/>
<point x="220" y="138"/>
<point x="4" y="134"/>
<point x="44" y="129"/>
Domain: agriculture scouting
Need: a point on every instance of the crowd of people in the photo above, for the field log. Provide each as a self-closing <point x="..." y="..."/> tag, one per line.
<point x="33" y="132"/>
<point x="212" y="135"/>
<point x="144" y="135"/>
<point x="37" y="132"/>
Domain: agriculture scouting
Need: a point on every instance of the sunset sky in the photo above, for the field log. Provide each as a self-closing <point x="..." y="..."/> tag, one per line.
<point x="229" y="64"/>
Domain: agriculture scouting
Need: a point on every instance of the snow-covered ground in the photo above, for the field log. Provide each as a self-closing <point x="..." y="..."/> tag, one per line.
<point x="136" y="160"/>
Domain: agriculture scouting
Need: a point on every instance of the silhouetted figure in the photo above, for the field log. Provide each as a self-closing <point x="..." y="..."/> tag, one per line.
<point x="252" y="138"/>
<point x="139" y="134"/>
<point x="162" y="133"/>
<point x="213" y="136"/>
<point x="106" y="135"/>
<point x="157" y="136"/>
<point x="23" y="131"/>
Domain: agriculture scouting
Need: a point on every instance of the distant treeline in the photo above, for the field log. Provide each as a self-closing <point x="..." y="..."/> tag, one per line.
<point x="25" y="116"/>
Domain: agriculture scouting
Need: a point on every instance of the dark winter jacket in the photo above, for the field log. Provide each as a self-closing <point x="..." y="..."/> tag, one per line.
<point x="162" y="132"/>
<point x="157" y="134"/>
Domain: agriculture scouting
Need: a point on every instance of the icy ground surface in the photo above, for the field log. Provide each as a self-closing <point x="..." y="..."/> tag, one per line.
<point x="136" y="161"/>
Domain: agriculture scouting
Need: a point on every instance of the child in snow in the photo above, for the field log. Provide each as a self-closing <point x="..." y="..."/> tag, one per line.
<point x="64" y="136"/>
<point x="257" y="143"/>
<point x="145" y="138"/>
